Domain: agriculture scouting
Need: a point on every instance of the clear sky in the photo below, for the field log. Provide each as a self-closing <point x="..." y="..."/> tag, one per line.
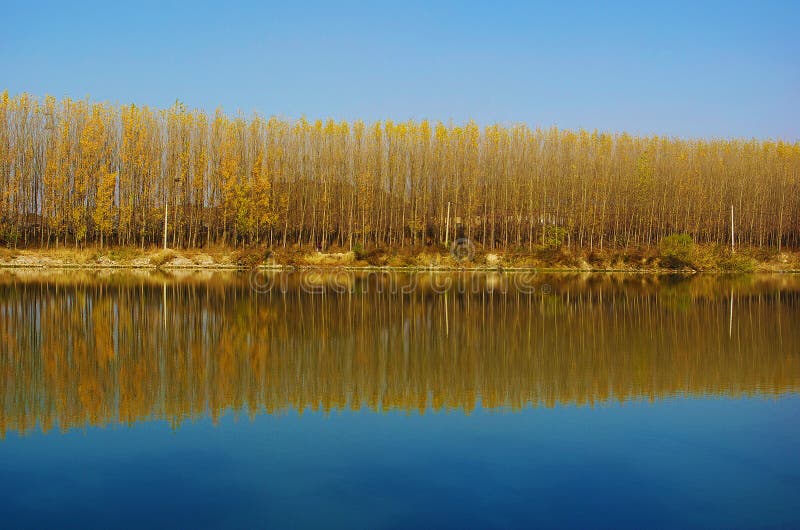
<point x="702" y="68"/>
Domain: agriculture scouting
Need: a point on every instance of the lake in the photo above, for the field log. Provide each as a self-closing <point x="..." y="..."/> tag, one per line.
<point x="393" y="400"/>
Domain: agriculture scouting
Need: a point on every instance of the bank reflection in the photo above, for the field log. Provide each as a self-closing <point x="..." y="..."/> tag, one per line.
<point x="95" y="349"/>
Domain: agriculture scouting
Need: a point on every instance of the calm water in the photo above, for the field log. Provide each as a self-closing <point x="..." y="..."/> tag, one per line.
<point x="373" y="401"/>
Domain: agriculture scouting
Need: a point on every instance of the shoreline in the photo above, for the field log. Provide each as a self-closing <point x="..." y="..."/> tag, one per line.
<point x="371" y="268"/>
<point x="705" y="260"/>
<point x="289" y="268"/>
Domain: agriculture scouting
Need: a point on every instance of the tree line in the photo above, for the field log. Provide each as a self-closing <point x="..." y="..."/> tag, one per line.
<point x="75" y="172"/>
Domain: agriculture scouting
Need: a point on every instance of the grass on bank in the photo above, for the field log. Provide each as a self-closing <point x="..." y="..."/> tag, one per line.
<point x="677" y="252"/>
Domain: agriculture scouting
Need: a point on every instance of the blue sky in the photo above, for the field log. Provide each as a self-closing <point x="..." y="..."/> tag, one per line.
<point x="721" y="69"/>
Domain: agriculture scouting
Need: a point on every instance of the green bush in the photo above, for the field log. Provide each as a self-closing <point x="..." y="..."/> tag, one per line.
<point x="359" y="253"/>
<point x="554" y="236"/>
<point x="737" y="264"/>
<point x="676" y="251"/>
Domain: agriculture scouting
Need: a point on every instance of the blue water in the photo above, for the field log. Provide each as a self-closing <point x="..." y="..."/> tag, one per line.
<point x="674" y="463"/>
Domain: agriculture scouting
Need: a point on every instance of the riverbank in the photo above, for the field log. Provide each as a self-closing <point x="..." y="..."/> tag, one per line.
<point x="697" y="259"/>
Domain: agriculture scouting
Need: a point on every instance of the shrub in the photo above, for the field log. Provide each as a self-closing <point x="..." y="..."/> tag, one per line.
<point x="377" y="257"/>
<point x="737" y="263"/>
<point x="676" y="251"/>
<point x="359" y="252"/>
<point x="162" y="257"/>
<point x="554" y="236"/>
<point x="249" y="257"/>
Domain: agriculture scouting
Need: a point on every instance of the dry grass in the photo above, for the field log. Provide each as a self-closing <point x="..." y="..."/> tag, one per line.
<point x="701" y="258"/>
<point x="248" y="257"/>
<point x="7" y="254"/>
<point x="162" y="257"/>
<point x="330" y="259"/>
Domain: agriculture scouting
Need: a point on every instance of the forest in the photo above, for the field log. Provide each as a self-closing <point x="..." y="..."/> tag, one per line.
<point x="81" y="173"/>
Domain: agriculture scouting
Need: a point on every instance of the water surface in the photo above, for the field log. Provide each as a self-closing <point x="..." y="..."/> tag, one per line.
<point x="389" y="400"/>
